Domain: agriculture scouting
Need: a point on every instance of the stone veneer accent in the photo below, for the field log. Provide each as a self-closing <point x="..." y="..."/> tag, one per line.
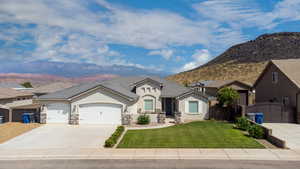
<point x="74" y="119"/>
<point x="178" y="117"/>
<point x="126" y="119"/>
<point x="43" y="118"/>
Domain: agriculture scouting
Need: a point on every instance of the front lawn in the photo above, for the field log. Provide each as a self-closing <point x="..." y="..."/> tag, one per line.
<point x="11" y="130"/>
<point x="202" y="134"/>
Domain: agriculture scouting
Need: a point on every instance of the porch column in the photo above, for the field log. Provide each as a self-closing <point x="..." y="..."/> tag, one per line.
<point x="9" y="115"/>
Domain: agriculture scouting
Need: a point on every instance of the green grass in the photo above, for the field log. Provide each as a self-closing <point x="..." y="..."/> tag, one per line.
<point x="204" y="134"/>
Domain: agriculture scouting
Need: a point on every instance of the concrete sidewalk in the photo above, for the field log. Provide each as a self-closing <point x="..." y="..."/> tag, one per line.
<point x="220" y="154"/>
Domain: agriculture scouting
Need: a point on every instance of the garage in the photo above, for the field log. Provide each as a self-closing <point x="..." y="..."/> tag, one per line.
<point x="100" y="113"/>
<point x="58" y="113"/>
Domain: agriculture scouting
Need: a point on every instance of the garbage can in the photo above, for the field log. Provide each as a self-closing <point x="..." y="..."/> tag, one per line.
<point x="1" y="119"/>
<point x="259" y="118"/>
<point x="251" y="116"/>
<point x="25" y="118"/>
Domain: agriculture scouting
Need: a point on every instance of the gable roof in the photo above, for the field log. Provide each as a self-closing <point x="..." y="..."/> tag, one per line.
<point x="289" y="67"/>
<point x="8" y="93"/>
<point x="218" y="83"/>
<point x="53" y="87"/>
<point x="121" y="85"/>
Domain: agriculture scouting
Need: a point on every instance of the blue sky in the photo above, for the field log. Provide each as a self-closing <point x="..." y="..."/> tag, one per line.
<point x="167" y="35"/>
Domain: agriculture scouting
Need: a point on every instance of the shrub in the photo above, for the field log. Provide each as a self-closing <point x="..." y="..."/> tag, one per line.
<point x="113" y="139"/>
<point x="242" y="123"/>
<point x="256" y="132"/>
<point x="143" y="119"/>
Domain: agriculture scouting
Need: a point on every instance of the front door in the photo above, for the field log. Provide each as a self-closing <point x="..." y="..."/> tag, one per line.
<point x="169" y="107"/>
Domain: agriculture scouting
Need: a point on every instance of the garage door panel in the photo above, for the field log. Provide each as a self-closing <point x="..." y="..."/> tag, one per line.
<point x="58" y="113"/>
<point x="100" y="114"/>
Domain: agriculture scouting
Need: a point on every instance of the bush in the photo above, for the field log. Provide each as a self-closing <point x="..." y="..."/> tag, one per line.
<point x="242" y="123"/>
<point x="113" y="139"/>
<point x="143" y="119"/>
<point x="256" y="132"/>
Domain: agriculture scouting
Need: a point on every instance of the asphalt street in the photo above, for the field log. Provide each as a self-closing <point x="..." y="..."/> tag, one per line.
<point x="148" y="164"/>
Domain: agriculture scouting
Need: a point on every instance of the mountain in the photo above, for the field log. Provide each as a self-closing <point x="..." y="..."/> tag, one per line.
<point x="74" y="69"/>
<point x="41" y="79"/>
<point x="245" y="61"/>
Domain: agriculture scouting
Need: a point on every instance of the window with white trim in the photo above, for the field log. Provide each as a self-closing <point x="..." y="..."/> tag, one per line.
<point x="193" y="107"/>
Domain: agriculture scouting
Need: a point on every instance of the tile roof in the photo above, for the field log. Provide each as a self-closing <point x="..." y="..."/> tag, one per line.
<point x="121" y="85"/>
<point x="7" y="93"/>
<point x="216" y="83"/>
<point x="53" y="87"/>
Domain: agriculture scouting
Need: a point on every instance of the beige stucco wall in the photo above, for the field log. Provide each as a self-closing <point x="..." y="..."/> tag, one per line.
<point x="100" y="96"/>
<point x="153" y="94"/>
<point x="202" y="106"/>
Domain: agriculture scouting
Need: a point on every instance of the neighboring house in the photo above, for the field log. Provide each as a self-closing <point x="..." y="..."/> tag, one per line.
<point x="280" y="83"/>
<point x="52" y="87"/>
<point x="14" y="103"/>
<point x="211" y="87"/>
<point x="122" y="100"/>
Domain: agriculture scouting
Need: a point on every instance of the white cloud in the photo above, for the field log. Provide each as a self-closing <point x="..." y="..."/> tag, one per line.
<point x="244" y="13"/>
<point x="165" y="53"/>
<point x="200" y="57"/>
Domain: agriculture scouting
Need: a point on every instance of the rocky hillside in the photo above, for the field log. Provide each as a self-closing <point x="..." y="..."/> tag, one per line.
<point x="245" y="61"/>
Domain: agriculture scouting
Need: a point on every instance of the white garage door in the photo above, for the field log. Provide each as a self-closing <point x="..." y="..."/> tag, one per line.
<point x="100" y="114"/>
<point x="58" y="113"/>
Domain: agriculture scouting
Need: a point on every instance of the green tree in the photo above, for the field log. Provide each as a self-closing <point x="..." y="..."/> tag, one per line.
<point x="27" y="85"/>
<point x="227" y="96"/>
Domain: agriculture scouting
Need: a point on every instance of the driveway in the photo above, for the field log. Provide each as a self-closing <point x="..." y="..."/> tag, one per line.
<point x="61" y="136"/>
<point x="288" y="132"/>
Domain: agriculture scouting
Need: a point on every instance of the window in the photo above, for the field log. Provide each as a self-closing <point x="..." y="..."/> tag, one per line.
<point x="193" y="107"/>
<point x="154" y="89"/>
<point x="144" y="90"/>
<point x="148" y="105"/>
<point x="149" y="89"/>
<point x="286" y="100"/>
<point x="274" y="77"/>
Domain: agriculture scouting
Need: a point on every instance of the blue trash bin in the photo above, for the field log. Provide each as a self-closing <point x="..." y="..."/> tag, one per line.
<point x="259" y="118"/>
<point x="25" y="118"/>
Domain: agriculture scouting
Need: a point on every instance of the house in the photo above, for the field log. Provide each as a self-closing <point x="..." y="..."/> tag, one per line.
<point x="280" y="83"/>
<point x="52" y="87"/>
<point x="211" y="87"/>
<point x="13" y="103"/>
<point x="122" y="100"/>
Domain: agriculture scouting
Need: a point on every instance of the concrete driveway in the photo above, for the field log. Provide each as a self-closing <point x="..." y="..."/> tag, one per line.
<point x="61" y="136"/>
<point x="288" y="132"/>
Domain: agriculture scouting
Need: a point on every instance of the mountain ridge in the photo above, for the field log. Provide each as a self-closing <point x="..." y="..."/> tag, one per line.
<point x="245" y="61"/>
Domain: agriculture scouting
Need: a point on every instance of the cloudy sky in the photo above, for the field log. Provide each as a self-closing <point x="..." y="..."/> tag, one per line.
<point x="168" y="35"/>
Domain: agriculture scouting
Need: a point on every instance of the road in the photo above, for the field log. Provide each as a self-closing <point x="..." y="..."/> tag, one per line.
<point x="147" y="164"/>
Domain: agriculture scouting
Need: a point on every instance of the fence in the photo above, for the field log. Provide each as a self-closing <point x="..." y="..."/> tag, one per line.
<point x="273" y="112"/>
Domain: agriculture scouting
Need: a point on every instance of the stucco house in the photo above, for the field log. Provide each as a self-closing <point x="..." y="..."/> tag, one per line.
<point x="280" y="83"/>
<point x="211" y="87"/>
<point x="122" y="100"/>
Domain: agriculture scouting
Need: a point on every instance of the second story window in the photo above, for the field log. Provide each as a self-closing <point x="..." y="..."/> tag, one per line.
<point x="286" y="101"/>
<point x="274" y="77"/>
